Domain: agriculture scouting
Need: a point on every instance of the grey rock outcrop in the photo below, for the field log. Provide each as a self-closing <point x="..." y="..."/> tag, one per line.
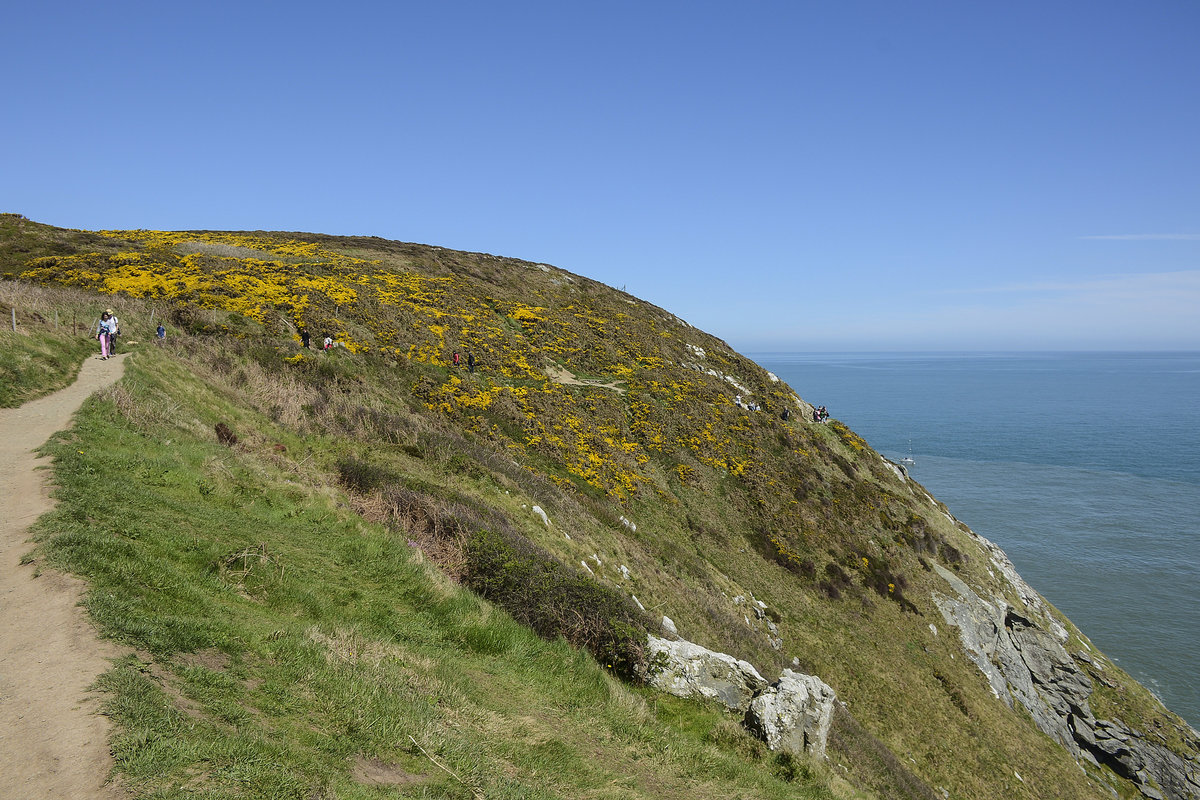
<point x="689" y="670"/>
<point x="793" y="714"/>
<point x="1131" y="755"/>
<point x="1020" y="651"/>
<point x="1021" y="661"/>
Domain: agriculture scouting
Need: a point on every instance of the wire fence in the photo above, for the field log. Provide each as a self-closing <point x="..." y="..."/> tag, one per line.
<point x="33" y="307"/>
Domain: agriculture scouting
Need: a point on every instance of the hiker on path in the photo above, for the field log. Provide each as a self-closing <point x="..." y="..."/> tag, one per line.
<point x="161" y="333"/>
<point x="328" y="343"/>
<point x="457" y="359"/>
<point x="304" y="337"/>
<point x="105" y="331"/>
<point x="470" y="362"/>
<point x="115" y="329"/>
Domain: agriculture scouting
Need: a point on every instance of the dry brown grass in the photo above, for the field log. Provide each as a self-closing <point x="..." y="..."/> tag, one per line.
<point x="279" y="394"/>
<point x="70" y="310"/>
<point x="424" y="525"/>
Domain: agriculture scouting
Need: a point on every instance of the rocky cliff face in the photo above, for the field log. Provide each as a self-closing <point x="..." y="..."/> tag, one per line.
<point x="1021" y="651"/>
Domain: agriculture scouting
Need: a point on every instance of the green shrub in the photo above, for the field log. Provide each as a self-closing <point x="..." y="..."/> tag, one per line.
<point x="363" y="476"/>
<point x="556" y="600"/>
<point x="835" y="581"/>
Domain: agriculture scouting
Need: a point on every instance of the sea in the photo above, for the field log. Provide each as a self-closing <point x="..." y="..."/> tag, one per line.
<point x="1083" y="466"/>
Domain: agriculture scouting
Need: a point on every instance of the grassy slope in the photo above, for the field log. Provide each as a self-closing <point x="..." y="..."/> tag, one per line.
<point x="34" y="365"/>
<point x="31" y="366"/>
<point x="280" y="640"/>
<point x="804" y="518"/>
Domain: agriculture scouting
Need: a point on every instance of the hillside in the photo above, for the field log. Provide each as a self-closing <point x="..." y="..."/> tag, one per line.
<point x="304" y="551"/>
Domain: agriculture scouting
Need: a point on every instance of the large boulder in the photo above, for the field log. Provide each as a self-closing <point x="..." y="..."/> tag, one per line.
<point x="685" y="669"/>
<point x="794" y="714"/>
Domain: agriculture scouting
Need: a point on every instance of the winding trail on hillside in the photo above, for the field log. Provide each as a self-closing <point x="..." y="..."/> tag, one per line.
<point x="564" y="376"/>
<point x="53" y="741"/>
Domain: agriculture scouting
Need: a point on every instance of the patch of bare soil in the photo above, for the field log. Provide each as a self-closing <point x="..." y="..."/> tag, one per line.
<point x="373" y="772"/>
<point x="562" y="375"/>
<point x="53" y="743"/>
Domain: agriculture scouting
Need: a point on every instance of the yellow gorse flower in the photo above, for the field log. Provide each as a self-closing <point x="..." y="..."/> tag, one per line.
<point x="604" y="441"/>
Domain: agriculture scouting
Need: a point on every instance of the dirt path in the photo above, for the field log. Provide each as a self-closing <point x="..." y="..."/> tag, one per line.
<point x="53" y="744"/>
<point x="562" y="375"/>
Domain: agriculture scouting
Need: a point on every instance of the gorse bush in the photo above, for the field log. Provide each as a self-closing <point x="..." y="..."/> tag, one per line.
<point x="835" y="582"/>
<point x="557" y="600"/>
<point x="485" y="552"/>
<point x="225" y="435"/>
<point x="880" y="577"/>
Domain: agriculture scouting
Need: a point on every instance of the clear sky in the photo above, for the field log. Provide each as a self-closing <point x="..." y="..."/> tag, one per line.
<point x="805" y="175"/>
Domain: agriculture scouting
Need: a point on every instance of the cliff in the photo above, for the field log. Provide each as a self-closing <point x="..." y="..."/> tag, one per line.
<point x="598" y="468"/>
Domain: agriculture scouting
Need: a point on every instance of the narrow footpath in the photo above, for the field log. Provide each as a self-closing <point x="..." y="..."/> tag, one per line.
<point x="53" y="743"/>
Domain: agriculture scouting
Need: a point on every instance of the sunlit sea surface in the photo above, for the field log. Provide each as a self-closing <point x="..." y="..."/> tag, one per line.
<point x="1084" y="467"/>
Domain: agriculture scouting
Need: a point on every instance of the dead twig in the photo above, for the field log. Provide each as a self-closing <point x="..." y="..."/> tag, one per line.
<point x="445" y="769"/>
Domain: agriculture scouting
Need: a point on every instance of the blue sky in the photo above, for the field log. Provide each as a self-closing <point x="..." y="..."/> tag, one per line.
<point x="787" y="176"/>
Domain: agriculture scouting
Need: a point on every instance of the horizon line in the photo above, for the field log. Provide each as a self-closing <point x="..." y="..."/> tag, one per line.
<point x="1129" y="237"/>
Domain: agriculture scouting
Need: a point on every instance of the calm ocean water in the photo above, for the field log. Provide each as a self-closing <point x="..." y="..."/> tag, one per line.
<point x="1084" y="467"/>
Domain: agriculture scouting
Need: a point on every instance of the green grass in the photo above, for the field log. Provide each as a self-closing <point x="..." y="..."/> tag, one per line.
<point x="276" y="640"/>
<point x="53" y="334"/>
<point x="35" y="365"/>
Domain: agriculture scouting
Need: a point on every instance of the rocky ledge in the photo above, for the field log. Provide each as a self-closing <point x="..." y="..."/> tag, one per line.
<point x="1021" y="651"/>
